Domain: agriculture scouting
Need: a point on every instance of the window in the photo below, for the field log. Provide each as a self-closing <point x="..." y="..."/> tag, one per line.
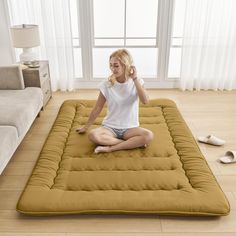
<point x="116" y="26"/>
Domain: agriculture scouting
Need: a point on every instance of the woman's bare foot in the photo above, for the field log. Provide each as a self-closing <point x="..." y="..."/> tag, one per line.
<point x="102" y="149"/>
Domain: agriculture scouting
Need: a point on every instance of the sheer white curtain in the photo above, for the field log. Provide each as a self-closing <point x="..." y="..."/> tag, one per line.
<point x="53" y="18"/>
<point x="209" y="45"/>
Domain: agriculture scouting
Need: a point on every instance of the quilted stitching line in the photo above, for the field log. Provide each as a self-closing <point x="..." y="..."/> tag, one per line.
<point x="171" y="134"/>
<point x="66" y="140"/>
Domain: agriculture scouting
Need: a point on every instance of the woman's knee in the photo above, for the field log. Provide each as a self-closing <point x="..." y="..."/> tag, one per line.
<point x="94" y="136"/>
<point x="148" y="136"/>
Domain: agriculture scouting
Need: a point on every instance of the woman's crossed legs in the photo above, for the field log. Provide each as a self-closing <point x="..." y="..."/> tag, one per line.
<point x="132" y="138"/>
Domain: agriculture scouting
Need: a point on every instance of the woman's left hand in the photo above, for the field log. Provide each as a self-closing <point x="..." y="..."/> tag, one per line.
<point x="133" y="72"/>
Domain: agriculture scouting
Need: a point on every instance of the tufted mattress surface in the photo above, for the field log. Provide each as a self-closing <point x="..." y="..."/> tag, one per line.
<point x="170" y="176"/>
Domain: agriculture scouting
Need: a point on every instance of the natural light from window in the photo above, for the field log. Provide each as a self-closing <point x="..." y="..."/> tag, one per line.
<point x="123" y="24"/>
<point x="119" y="24"/>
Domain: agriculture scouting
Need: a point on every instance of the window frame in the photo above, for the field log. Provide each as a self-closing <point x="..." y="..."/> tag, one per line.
<point x="163" y="44"/>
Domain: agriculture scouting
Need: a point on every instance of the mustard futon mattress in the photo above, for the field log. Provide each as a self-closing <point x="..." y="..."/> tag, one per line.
<point x="170" y="176"/>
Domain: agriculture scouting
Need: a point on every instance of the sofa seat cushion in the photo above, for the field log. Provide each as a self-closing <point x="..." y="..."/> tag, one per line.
<point x="26" y="105"/>
<point x="8" y="143"/>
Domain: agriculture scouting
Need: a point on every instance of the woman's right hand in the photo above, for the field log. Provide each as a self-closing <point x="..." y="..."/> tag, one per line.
<point x="81" y="130"/>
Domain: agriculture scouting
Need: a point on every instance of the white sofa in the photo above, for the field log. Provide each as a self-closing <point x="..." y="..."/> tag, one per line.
<point x="19" y="107"/>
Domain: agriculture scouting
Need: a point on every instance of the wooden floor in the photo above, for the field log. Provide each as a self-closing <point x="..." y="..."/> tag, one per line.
<point x="205" y="113"/>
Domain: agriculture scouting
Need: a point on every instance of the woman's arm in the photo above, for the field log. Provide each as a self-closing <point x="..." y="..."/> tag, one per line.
<point x="94" y="113"/>
<point x="140" y="89"/>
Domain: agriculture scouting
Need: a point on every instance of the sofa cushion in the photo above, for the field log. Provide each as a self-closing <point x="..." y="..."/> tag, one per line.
<point x="26" y="104"/>
<point x="8" y="143"/>
<point x="11" y="77"/>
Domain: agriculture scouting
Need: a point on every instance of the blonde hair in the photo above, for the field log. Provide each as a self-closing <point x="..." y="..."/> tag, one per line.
<point x="125" y="59"/>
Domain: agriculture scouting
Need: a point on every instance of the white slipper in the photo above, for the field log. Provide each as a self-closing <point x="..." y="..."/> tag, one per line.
<point x="229" y="157"/>
<point x="210" y="139"/>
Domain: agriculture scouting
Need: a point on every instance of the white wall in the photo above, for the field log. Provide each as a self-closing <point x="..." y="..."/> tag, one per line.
<point x="5" y="43"/>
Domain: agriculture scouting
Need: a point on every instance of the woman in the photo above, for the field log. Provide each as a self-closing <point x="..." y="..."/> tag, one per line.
<point x="120" y="128"/>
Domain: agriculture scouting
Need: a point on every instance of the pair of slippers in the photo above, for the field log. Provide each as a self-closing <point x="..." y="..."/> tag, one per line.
<point x="229" y="157"/>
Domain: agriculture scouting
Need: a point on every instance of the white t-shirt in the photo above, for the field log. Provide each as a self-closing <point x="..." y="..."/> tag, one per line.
<point x="123" y="104"/>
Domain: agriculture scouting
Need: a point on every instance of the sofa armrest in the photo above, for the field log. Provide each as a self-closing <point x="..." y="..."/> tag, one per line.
<point x="11" y="77"/>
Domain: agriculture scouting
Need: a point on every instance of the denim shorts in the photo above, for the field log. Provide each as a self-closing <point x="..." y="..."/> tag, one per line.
<point x="119" y="133"/>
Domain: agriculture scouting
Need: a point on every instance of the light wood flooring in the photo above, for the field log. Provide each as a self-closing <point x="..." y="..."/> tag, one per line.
<point x="206" y="112"/>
